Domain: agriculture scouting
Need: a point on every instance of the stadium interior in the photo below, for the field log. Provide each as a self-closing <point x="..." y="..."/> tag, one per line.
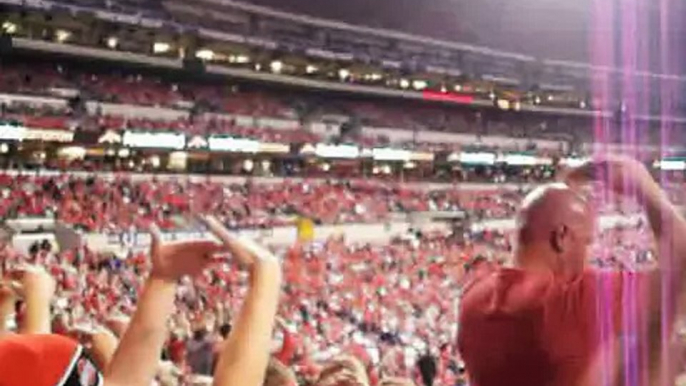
<point x="381" y="166"/>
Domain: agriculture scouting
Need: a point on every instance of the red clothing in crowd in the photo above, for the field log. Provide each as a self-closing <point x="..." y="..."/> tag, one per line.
<point x="521" y="328"/>
<point x="288" y="349"/>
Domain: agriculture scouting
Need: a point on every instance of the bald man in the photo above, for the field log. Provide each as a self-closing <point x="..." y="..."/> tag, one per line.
<point x="551" y="321"/>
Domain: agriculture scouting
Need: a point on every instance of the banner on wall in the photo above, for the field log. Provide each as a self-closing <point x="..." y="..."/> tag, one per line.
<point x="385" y="154"/>
<point x="336" y="151"/>
<point x="10" y="132"/>
<point x="231" y="144"/>
<point x="154" y="140"/>
<point x="48" y="135"/>
<point x="673" y="164"/>
<point x="480" y="158"/>
<point x="305" y="229"/>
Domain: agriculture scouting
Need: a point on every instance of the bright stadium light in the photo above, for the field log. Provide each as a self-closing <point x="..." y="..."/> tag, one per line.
<point x="4" y="148"/>
<point x="62" y="35"/>
<point x="242" y="59"/>
<point x="551" y="98"/>
<point x="419" y="84"/>
<point x="9" y="28"/>
<point x="537" y="100"/>
<point x="205" y="54"/>
<point x="404" y="83"/>
<point x="582" y="104"/>
<point x="344" y="73"/>
<point x="311" y="69"/>
<point x="161" y="47"/>
<point x="491" y="95"/>
<point x="276" y="66"/>
<point x="458" y="87"/>
<point x="112" y="42"/>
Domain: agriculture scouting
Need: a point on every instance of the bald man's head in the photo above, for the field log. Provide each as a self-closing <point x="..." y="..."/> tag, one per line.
<point x="555" y="228"/>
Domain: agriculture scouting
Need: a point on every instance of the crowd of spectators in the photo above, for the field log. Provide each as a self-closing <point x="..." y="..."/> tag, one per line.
<point x="218" y="96"/>
<point x="385" y="308"/>
<point x="367" y="313"/>
<point x="96" y="204"/>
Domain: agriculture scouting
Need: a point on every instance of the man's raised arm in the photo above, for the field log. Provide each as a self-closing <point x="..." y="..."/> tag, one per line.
<point x="244" y="356"/>
<point x="663" y="289"/>
<point x="136" y="360"/>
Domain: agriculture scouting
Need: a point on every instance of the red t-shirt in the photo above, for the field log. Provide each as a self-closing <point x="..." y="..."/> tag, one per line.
<point x="522" y="328"/>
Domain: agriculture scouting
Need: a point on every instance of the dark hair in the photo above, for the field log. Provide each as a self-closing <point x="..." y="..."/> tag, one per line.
<point x="199" y="334"/>
<point x="225" y="330"/>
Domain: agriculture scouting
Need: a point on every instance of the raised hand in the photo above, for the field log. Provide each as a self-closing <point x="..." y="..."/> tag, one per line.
<point x="30" y="281"/>
<point x="246" y="252"/>
<point x="171" y="261"/>
<point x="619" y="173"/>
<point x="37" y="288"/>
<point x="244" y="356"/>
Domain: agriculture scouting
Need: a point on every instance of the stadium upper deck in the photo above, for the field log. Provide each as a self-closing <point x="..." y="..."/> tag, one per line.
<point x="239" y="36"/>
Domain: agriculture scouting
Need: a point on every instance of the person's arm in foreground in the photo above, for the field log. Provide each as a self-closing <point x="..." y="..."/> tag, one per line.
<point x="245" y="354"/>
<point x="7" y="300"/>
<point x="667" y="287"/>
<point x="101" y="344"/>
<point x="136" y="360"/>
<point x="669" y="228"/>
<point x="37" y="288"/>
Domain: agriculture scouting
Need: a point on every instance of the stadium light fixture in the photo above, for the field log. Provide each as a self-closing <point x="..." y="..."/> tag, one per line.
<point x="4" y="148"/>
<point x="276" y="66"/>
<point x="344" y="73"/>
<point x="9" y="28"/>
<point x="112" y="42"/>
<point x="62" y="35"/>
<point x="311" y="69"/>
<point x="205" y="54"/>
<point x="419" y="84"/>
<point x="248" y="165"/>
<point x="537" y="100"/>
<point x="458" y="87"/>
<point x="404" y="83"/>
<point x="491" y="95"/>
<point x="242" y="59"/>
<point x="551" y="98"/>
<point x="160" y="47"/>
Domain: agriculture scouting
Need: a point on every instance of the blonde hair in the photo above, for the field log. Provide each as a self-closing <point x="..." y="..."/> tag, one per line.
<point x="396" y="381"/>
<point x="343" y="370"/>
<point x="279" y="375"/>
